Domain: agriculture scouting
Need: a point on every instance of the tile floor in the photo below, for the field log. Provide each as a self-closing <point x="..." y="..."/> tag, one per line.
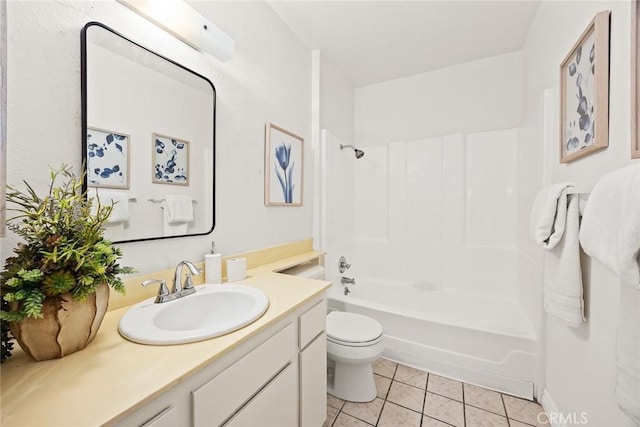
<point x="408" y="397"/>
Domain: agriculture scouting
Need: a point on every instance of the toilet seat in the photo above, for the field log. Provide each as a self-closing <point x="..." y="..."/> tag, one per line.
<point x="353" y="330"/>
<point x="355" y="344"/>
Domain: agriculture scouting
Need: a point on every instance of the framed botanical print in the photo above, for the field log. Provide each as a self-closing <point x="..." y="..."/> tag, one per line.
<point x="283" y="167"/>
<point x="107" y="159"/>
<point x="170" y="160"/>
<point x="584" y="92"/>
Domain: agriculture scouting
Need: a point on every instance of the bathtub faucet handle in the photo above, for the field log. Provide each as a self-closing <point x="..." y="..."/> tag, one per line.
<point x="343" y="265"/>
<point x="347" y="281"/>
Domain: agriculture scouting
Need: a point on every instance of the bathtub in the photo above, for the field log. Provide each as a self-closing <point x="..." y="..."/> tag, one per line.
<point x="484" y="341"/>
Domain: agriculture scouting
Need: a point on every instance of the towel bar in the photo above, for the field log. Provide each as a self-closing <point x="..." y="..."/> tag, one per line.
<point x="161" y="199"/>
<point x="582" y="200"/>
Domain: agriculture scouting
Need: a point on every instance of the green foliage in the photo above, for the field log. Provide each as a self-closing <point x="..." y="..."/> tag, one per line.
<point x="64" y="248"/>
<point x="5" y="335"/>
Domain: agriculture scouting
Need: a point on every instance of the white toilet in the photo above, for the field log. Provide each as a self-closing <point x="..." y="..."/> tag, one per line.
<point x="353" y="342"/>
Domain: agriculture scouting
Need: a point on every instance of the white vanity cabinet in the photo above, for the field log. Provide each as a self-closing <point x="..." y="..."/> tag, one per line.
<point x="313" y="365"/>
<point x="217" y="400"/>
<point x="276" y="378"/>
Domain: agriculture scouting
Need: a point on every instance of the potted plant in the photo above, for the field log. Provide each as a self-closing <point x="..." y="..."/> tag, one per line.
<point x="55" y="289"/>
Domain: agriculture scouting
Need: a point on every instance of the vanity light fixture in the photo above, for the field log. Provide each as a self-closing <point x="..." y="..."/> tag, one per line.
<point x="179" y="19"/>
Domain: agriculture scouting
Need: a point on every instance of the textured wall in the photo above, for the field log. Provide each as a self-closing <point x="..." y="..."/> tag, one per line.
<point x="269" y="80"/>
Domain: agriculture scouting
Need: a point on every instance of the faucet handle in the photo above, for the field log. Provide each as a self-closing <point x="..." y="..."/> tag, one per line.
<point x="188" y="283"/>
<point x="343" y="265"/>
<point x="163" y="290"/>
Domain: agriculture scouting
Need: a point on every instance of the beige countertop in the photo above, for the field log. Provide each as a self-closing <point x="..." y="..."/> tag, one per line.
<point x="112" y="377"/>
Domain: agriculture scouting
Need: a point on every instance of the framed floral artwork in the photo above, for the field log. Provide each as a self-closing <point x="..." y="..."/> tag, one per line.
<point x="283" y="167"/>
<point x="635" y="79"/>
<point x="107" y="159"/>
<point x="170" y="160"/>
<point x="584" y="93"/>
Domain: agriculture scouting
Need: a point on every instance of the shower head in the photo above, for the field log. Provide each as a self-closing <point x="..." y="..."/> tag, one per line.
<point x="359" y="153"/>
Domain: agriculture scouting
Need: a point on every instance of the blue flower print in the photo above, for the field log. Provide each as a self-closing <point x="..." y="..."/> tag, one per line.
<point x="283" y="159"/>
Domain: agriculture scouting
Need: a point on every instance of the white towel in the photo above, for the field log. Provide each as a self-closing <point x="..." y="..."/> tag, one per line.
<point x="547" y="221"/>
<point x="178" y="213"/>
<point x="610" y="233"/>
<point x="563" y="273"/>
<point x="178" y="208"/>
<point x="555" y="223"/>
<point x="611" y="223"/>
<point x="120" y="212"/>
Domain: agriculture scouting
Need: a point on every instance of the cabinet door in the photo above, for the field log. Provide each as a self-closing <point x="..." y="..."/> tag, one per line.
<point x="216" y="400"/>
<point x="275" y="405"/>
<point x="167" y="418"/>
<point x="313" y="383"/>
<point x="312" y="322"/>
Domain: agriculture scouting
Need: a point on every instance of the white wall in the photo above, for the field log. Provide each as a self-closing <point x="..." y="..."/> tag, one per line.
<point x="268" y="80"/>
<point x="336" y="101"/>
<point x="473" y="97"/>
<point x="529" y="265"/>
<point x="335" y="177"/>
<point x="581" y="361"/>
<point x="337" y="202"/>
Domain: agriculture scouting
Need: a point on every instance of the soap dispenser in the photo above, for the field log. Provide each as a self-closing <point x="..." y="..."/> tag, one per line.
<point x="213" y="266"/>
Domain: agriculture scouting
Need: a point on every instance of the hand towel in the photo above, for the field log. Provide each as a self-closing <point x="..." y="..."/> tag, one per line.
<point x="547" y="220"/>
<point x="178" y="212"/>
<point x="178" y="208"/>
<point x="610" y="233"/>
<point x="611" y="223"/>
<point x="555" y="222"/>
<point x="562" y="271"/>
<point x="120" y="200"/>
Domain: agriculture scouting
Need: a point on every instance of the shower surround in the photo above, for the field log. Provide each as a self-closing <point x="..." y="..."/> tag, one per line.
<point x="431" y="228"/>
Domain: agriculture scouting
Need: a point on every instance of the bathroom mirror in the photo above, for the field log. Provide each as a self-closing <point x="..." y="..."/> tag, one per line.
<point x="148" y="139"/>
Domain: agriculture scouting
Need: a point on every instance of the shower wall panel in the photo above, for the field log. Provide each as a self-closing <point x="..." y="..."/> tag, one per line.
<point x="440" y="213"/>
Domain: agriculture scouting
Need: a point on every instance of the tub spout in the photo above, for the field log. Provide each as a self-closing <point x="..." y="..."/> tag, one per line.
<point x="347" y="281"/>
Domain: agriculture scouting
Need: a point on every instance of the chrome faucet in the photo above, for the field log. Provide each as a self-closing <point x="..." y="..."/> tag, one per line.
<point x="179" y="289"/>
<point x="347" y="281"/>
<point x="186" y="288"/>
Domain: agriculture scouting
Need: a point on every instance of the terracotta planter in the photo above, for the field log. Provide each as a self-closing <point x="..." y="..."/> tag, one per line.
<point x="62" y="332"/>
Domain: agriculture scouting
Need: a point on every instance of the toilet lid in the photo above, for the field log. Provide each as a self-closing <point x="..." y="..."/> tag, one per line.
<point x="352" y="327"/>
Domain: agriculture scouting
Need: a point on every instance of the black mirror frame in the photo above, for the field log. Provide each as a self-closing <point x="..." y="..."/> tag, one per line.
<point x="83" y="79"/>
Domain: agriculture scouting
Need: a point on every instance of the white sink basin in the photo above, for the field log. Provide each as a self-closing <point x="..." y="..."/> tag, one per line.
<point x="212" y="311"/>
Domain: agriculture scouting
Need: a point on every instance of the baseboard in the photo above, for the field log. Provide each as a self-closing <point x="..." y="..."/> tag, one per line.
<point x="550" y="407"/>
